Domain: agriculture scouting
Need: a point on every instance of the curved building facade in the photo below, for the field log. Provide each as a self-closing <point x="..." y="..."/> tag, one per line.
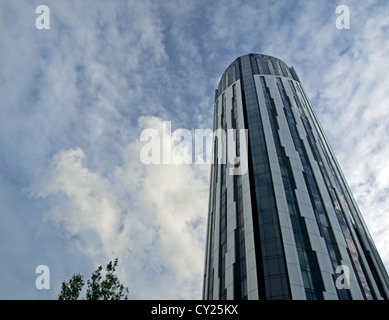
<point x="289" y="227"/>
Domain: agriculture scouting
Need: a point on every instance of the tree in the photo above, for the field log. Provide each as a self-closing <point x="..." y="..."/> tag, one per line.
<point x="71" y="290"/>
<point x="98" y="288"/>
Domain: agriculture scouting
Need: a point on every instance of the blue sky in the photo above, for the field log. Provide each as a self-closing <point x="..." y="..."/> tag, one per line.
<point x="75" y="98"/>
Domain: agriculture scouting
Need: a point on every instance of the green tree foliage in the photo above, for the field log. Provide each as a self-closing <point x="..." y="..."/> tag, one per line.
<point x="71" y="290"/>
<point x="98" y="288"/>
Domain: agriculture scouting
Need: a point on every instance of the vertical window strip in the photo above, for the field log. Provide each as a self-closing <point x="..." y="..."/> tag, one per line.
<point x="264" y="205"/>
<point x="240" y="272"/>
<point x="309" y="267"/>
<point x="313" y="190"/>
<point x="210" y="265"/>
<point x="353" y="253"/>
<point x="259" y="65"/>
<point x="284" y="70"/>
<point x="223" y="213"/>
<point x="276" y="66"/>
<point x="214" y="178"/>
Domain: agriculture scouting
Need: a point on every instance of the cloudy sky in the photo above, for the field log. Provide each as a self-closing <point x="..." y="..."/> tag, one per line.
<point x="75" y="98"/>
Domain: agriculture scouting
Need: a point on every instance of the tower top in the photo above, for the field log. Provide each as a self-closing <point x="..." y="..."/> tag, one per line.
<point x="260" y="64"/>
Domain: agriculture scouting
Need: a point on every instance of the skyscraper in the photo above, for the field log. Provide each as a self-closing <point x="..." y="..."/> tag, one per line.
<point x="288" y="228"/>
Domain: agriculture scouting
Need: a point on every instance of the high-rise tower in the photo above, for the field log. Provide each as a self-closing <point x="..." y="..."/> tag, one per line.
<point x="288" y="228"/>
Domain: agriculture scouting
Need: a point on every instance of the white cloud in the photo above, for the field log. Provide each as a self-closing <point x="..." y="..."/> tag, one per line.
<point x="163" y="223"/>
<point x="89" y="203"/>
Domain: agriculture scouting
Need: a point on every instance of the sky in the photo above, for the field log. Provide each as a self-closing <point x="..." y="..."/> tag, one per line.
<point x="75" y="98"/>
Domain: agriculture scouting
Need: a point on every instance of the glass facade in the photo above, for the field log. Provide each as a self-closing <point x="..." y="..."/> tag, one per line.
<point x="283" y="229"/>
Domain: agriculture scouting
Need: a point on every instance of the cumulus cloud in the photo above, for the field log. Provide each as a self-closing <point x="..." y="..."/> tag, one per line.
<point x="87" y="201"/>
<point x="164" y="223"/>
